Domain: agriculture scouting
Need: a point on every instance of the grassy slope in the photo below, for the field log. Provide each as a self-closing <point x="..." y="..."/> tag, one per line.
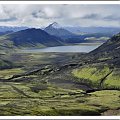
<point x="113" y="80"/>
<point x="41" y="94"/>
<point x="104" y="65"/>
<point x="94" y="73"/>
<point x="38" y="95"/>
<point x="54" y="101"/>
<point x="7" y="73"/>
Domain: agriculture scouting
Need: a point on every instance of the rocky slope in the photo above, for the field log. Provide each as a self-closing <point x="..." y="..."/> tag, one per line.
<point x="101" y="66"/>
<point x="109" y="51"/>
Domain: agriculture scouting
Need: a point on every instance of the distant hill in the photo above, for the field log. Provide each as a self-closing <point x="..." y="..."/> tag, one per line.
<point x="6" y="32"/>
<point x="87" y="38"/>
<point x="106" y="30"/>
<point x="9" y="28"/>
<point x="68" y="37"/>
<point x="29" y="38"/>
<point x="84" y="33"/>
<point x="56" y="30"/>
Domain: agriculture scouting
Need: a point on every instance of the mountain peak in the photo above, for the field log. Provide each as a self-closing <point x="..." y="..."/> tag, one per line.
<point x="56" y="30"/>
<point x="55" y="25"/>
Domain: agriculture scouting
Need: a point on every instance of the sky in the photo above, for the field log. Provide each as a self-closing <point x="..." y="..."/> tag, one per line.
<point x="41" y="15"/>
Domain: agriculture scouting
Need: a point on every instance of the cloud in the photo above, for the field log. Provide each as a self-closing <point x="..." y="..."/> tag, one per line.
<point x="8" y="19"/>
<point x="112" y="18"/>
<point x="38" y="15"/>
<point x="91" y="16"/>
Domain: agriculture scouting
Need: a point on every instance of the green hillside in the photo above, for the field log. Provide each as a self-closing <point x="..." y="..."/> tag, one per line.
<point x="59" y="84"/>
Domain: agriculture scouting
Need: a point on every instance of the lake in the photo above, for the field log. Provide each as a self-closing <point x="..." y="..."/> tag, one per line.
<point x="75" y="48"/>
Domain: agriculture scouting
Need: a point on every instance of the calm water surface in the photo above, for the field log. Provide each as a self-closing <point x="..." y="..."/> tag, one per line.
<point x="80" y="48"/>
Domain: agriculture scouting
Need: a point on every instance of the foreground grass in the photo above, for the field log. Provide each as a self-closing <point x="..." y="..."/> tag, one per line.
<point x="7" y="73"/>
<point x="106" y="98"/>
<point x="54" y="100"/>
<point x="56" y="93"/>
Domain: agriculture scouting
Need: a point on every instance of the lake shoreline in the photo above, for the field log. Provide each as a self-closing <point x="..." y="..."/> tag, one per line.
<point x="80" y="48"/>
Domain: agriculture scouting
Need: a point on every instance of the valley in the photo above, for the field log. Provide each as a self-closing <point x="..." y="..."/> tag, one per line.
<point x="48" y="74"/>
<point x="59" y="59"/>
<point x="58" y="84"/>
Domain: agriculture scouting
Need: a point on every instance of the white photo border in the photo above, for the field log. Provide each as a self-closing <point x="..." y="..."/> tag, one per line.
<point x="60" y="117"/>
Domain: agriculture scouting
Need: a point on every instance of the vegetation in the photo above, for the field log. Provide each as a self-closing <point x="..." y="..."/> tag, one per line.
<point x="54" y="101"/>
<point x="8" y="73"/>
<point x="61" y="83"/>
<point x="38" y="88"/>
<point x="110" y="101"/>
<point x="93" y="73"/>
<point x="56" y="93"/>
<point x="113" y="80"/>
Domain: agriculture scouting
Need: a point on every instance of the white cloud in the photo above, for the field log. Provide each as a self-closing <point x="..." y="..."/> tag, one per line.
<point x="42" y="15"/>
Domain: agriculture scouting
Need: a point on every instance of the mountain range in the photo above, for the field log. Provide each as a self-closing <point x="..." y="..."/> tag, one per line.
<point x="67" y="84"/>
<point x="53" y="35"/>
<point x="71" y="35"/>
<point x="56" y="30"/>
<point x="106" y="30"/>
<point x="13" y="29"/>
<point x="29" y="38"/>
